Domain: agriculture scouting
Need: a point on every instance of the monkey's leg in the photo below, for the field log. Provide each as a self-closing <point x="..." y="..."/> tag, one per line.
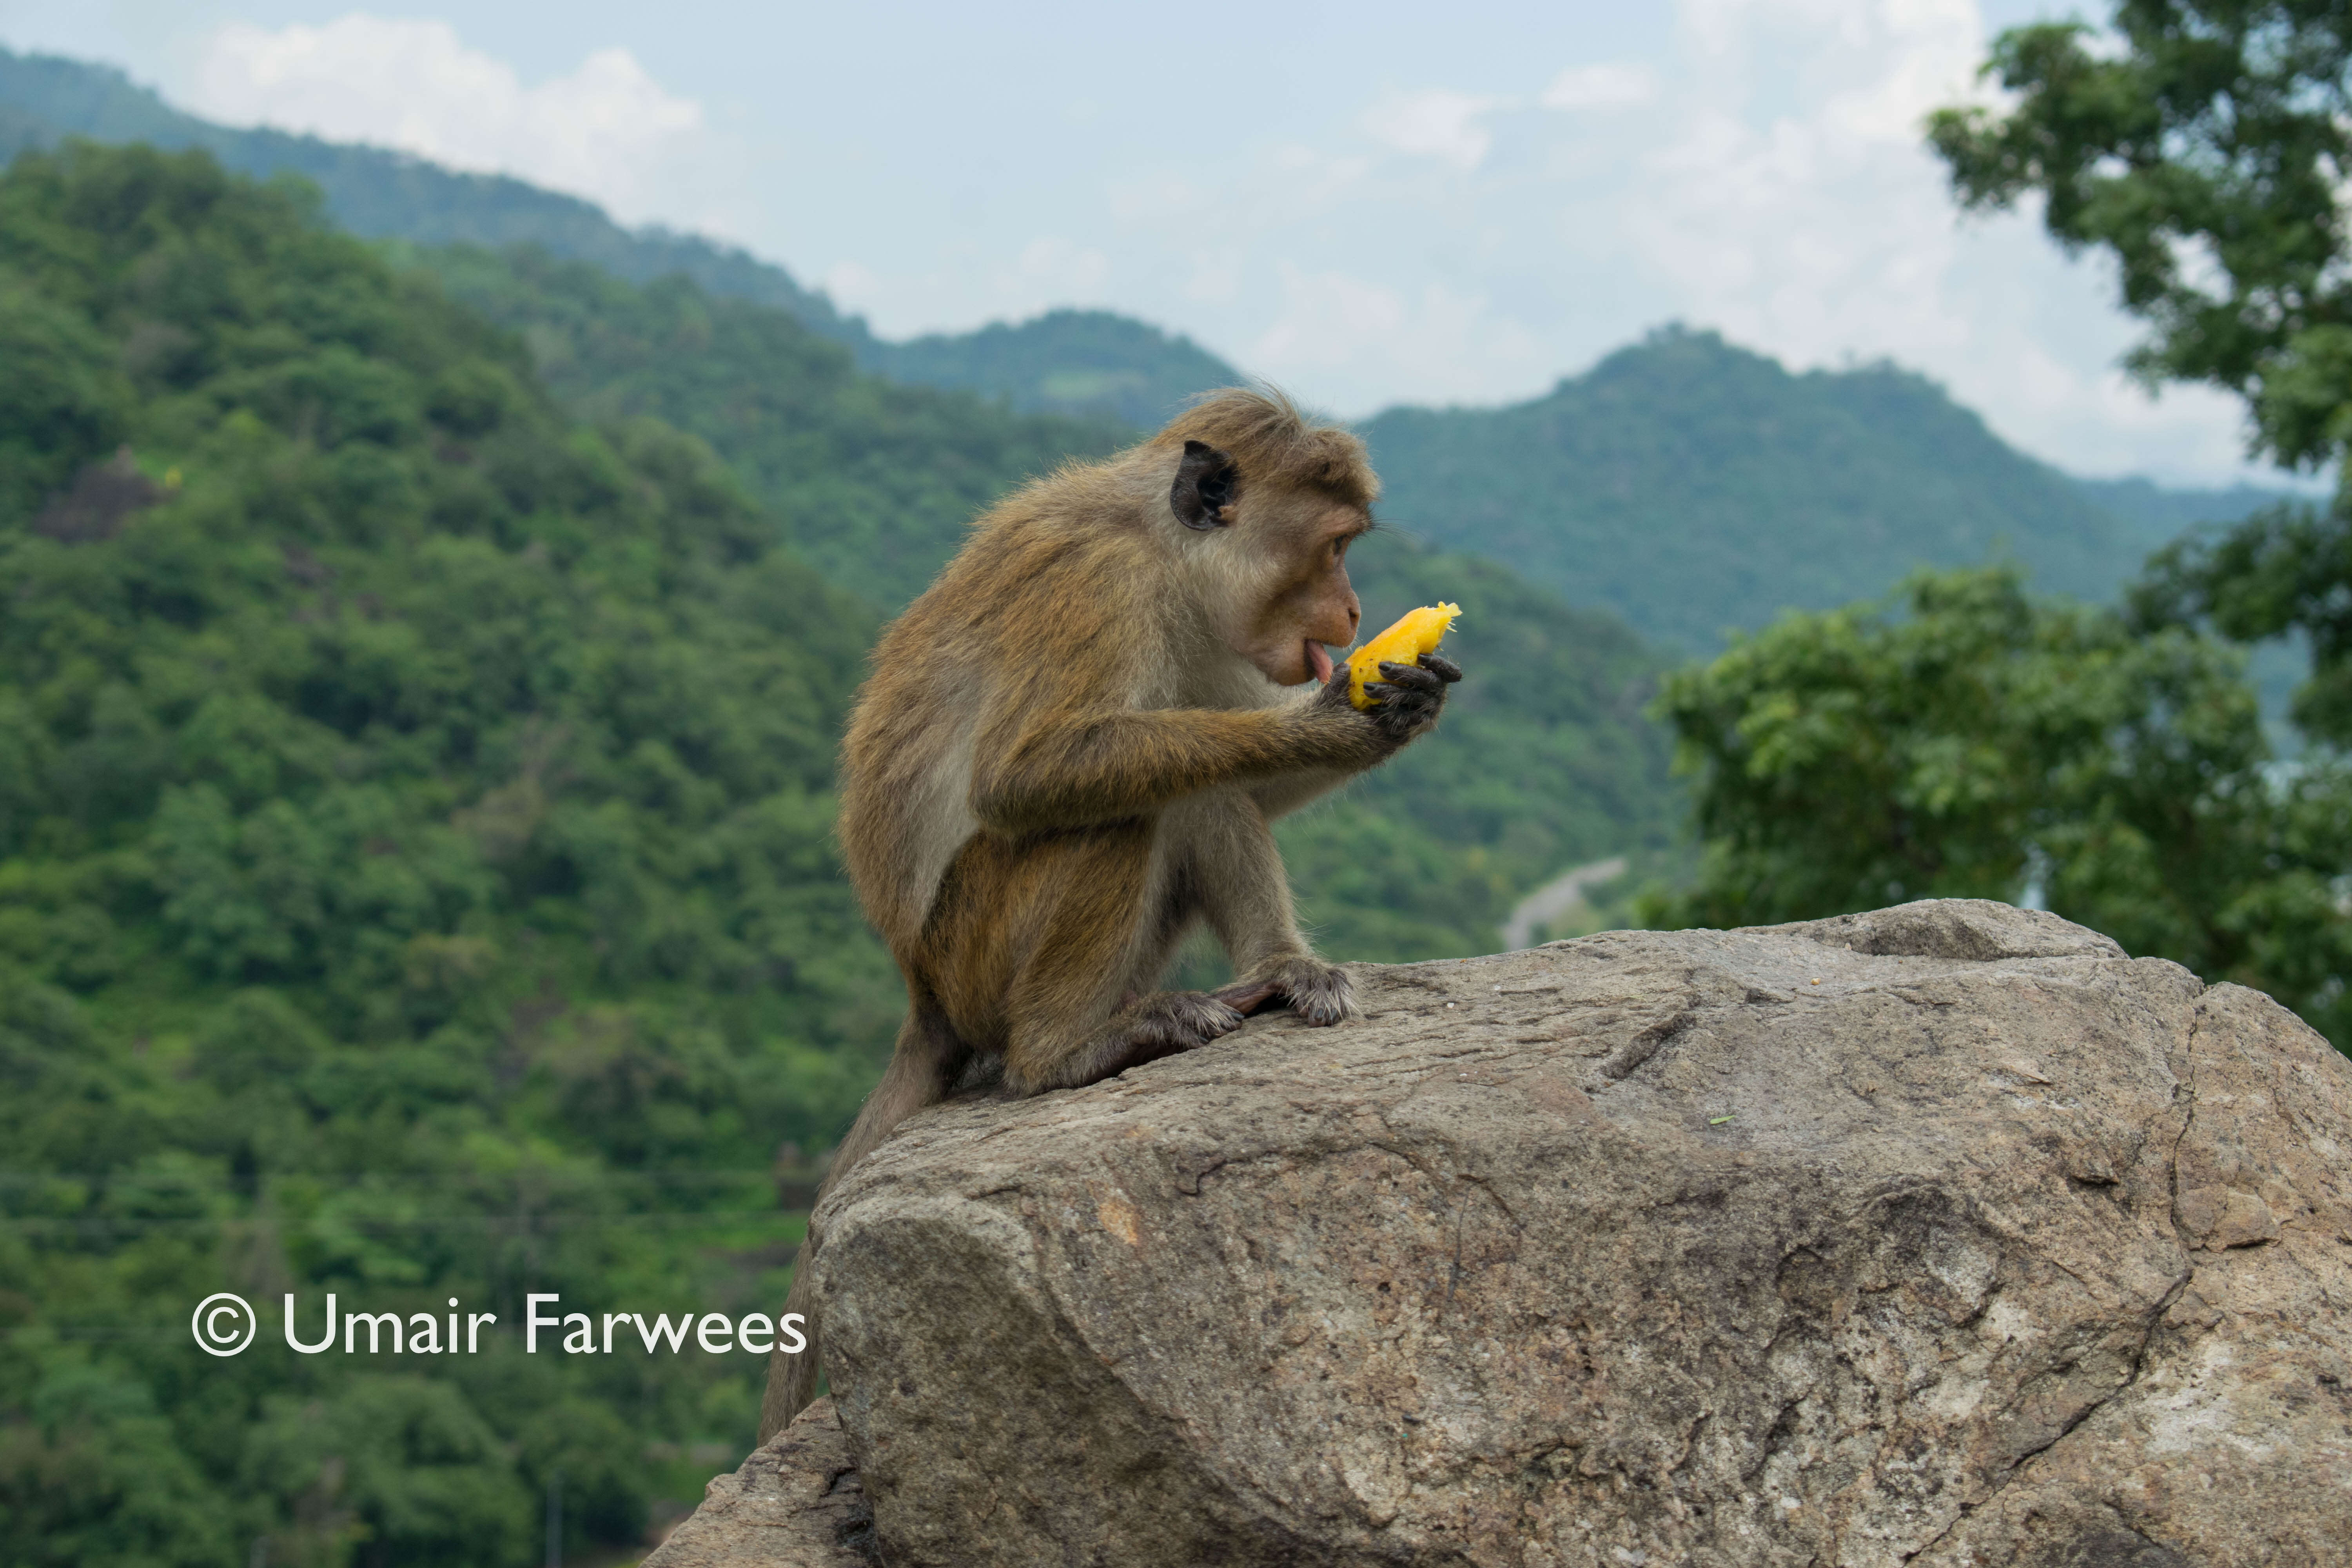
<point x="921" y="1070"/>
<point x="1060" y="1056"/>
<point x="1103" y="911"/>
<point x="1236" y="872"/>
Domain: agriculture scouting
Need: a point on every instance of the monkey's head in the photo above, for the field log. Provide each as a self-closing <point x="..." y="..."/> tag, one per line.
<point x="1262" y="506"/>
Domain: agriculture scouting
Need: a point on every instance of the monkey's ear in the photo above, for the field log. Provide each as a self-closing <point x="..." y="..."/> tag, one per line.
<point x="1203" y="495"/>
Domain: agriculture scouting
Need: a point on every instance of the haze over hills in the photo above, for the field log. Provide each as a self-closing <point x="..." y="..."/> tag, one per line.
<point x="1086" y="363"/>
<point x="378" y="194"/>
<point x="1685" y="483"/>
<point x="2156" y="515"/>
<point x="416" y="853"/>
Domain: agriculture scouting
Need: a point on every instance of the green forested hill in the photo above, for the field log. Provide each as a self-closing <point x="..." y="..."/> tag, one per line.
<point x="1073" y="362"/>
<point x="873" y="481"/>
<point x="416" y="869"/>
<point x="415" y="881"/>
<point x="1693" y="485"/>
<point x="2156" y="515"/>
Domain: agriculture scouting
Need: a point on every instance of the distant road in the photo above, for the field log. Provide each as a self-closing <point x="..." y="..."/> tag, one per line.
<point x="1555" y="898"/>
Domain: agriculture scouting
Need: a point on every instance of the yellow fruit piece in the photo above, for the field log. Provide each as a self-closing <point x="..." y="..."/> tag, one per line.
<point x="1418" y="633"/>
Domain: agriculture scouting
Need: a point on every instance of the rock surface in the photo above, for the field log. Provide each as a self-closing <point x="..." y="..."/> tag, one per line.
<point x="795" y="1503"/>
<point x="1941" y="1235"/>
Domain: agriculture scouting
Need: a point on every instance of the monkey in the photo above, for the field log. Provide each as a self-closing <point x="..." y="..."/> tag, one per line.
<point x="1069" y="752"/>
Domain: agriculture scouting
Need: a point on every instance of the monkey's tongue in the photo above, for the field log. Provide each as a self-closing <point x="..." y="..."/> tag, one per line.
<point x="1318" y="659"/>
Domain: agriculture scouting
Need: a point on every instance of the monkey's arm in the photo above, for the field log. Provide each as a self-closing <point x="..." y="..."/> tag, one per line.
<point x="1104" y="763"/>
<point x="1286" y="792"/>
<point x="1085" y="768"/>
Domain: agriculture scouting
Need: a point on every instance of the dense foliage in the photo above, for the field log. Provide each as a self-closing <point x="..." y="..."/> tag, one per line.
<point x="1962" y="741"/>
<point x="414" y="882"/>
<point x="2203" y="144"/>
<point x="2285" y="571"/>
<point x="874" y="482"/>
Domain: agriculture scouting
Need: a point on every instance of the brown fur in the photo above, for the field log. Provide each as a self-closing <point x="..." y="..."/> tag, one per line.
<point x="1069" y="752"/>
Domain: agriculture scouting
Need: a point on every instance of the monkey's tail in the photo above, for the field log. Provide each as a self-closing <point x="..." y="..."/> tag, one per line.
<point x="925" y="1061"/>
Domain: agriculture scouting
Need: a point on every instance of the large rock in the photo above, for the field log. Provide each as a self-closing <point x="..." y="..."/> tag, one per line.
<point x="1942" y="1235"/>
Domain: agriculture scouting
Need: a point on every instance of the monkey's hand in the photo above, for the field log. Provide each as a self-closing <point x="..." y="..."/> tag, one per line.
<point x="1410" y="697"/>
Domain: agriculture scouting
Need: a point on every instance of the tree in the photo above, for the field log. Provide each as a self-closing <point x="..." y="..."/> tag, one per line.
<point x="1963" y="739"/>
<point x="1959" y="740"/>
<point x="2205" y="154"/>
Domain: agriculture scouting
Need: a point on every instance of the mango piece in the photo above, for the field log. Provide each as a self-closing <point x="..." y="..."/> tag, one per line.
<point x="1418" y="633"/>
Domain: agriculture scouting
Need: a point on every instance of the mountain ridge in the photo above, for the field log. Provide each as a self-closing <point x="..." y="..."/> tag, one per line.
<point x="380" y="192"/>
<point x="1889" y="473"/>
<point x="1696" y="486"/>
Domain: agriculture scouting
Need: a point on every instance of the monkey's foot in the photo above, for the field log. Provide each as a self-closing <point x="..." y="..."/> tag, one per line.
<point x="1317" y="992"/>
<point x="1178" y="1020"/>
<point x="1144" y="1030"/>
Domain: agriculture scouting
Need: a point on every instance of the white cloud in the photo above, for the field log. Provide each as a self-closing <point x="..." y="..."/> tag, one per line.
<point x="1794" y="206"/>
<point x="1334" y="328"/>
<point x="1057" y="272"/>
<point x="852" y="287"/>
<point x="606" y="130"/>
<point x="1766" y="176"/>
<point x="1327" y="320"/>
<point x="1434" y="123"/>
<point x="1758" y="169"/>
<point x="1619" y="84"/>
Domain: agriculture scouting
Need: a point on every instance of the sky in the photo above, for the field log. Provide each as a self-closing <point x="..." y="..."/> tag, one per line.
<point x="1367" y="204"/>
